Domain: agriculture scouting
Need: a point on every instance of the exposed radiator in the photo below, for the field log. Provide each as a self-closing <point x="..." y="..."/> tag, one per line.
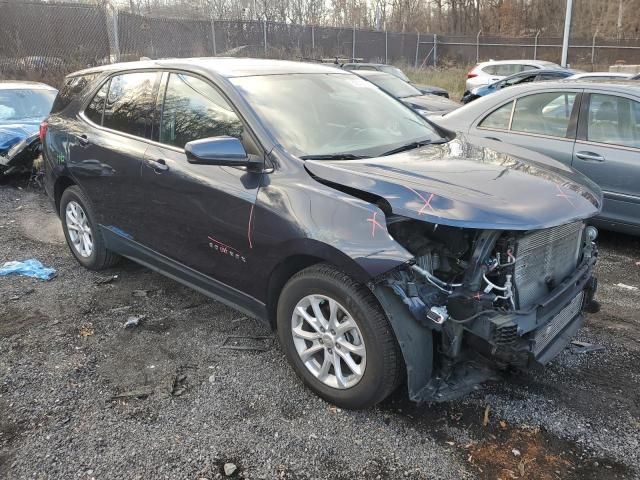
<point x="545" y="258"/>
<point x="550" y="331"/>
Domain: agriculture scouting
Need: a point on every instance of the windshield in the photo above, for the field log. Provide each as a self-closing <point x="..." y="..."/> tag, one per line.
<point x="395" y="71"/>
<point x="24" y="105"/>
<point x="331" y="114"/>
<point x="394" y="86"/>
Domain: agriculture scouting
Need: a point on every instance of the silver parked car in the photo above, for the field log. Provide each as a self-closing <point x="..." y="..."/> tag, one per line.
<point x="592" y="126"/>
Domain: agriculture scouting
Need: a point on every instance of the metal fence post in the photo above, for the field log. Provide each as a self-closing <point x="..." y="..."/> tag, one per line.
<point x="264" y="29"/>
<point x="535" y="46"/>
<point x="435" y="50"/>
<point x="415" y="65"/>
<point x="593" y="48"/>
<point x="313" y="40"/>
<point x="353" y="46"/>
<point x="478" y="46"/>
<point x="213" y="37"/>
<point x="386" y="47"/>
<point x="114" y="39"/>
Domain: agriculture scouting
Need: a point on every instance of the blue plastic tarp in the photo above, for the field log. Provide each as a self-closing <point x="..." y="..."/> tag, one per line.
<point x="29" y="268"/>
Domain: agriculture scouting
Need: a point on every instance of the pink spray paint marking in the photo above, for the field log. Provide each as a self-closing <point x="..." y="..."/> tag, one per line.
<point x="427" y="202"/>
<point x="250" y="227"/>
<point x="374" y="224"/>
<point x="564" y="195"/>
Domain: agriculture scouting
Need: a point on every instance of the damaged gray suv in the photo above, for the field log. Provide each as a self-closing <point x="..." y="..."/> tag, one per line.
<point x="380" y="247"/>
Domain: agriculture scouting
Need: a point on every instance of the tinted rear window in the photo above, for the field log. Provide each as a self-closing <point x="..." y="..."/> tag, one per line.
<point x="72" y="88"/>
<point x="95" y="108"/>
<point x="130" y="103"/>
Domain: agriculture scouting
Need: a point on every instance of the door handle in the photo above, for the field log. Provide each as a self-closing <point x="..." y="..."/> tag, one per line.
<point x="590" y="157"/>
<point x="83" y="140"/>
<point x="159" y="165"/>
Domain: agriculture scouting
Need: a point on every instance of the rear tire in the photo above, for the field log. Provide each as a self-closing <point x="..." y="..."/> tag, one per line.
<point x="82" y="231"/>
<point x="366" y="352"/>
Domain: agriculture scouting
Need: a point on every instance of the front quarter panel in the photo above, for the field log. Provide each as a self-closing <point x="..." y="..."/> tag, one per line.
<point x="296" y="215"/>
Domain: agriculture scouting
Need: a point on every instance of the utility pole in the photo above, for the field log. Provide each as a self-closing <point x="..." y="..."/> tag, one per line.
<point x="567" y="31"/>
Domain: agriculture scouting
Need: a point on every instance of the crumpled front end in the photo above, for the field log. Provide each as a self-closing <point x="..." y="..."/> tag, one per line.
<point x="20" y="156"/>
<point x="490" y="297"/>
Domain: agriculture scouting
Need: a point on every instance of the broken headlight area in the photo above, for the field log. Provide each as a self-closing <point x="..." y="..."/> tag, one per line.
<point x="507" y="297"/>
<point x="20" y="157"/>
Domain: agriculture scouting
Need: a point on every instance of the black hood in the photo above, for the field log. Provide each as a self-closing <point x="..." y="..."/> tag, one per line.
<point x="470" y="185"/>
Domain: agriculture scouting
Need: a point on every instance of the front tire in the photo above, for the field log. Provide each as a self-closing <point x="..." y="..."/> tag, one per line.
<point x="337" y="338"/>
<point x="82" y="232"/>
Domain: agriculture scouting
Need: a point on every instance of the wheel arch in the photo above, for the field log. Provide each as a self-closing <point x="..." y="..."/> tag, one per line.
<point x="303" y="255"/>
<point x="62" y="183"/>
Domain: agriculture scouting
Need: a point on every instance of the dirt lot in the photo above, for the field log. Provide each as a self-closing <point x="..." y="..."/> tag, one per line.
<point x="83" y="397"/>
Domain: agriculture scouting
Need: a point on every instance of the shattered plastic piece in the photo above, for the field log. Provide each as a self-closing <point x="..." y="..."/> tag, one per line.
<point x="229" y="469"/>
<point x="584" y="347"/>
<point x="515" y="452"/>
<point x="105" y="280"/>
<point x="29" y="268"/>
<point x="260" y="344"/>
<point x="485" y="420"/>
<point x="626" y="287"/>
<point x="133" y="321"/>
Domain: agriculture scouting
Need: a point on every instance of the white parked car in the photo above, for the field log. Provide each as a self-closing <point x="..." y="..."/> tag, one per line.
<point x="485" y="73"/>
<point x="601" y="76"/>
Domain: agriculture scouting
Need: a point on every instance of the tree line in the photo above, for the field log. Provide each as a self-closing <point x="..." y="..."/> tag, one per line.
<point x="606" y="18"/>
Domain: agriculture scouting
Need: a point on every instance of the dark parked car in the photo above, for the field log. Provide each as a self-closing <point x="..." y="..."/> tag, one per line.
<point x="423" y="104"/>
<point x="592" y="126"/>
<point x="304" y="196"/>
<point x="23" y="105"/>
<point x="517" y="79"/>
<point x="396" y="72"/>
<point x="636" y="77"/>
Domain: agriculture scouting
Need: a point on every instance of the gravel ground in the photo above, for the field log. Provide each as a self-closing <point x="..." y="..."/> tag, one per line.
<point x="83" y="397"/>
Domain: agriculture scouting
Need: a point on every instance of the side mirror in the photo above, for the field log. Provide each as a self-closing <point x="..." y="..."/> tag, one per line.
<point x="227" y="151"/>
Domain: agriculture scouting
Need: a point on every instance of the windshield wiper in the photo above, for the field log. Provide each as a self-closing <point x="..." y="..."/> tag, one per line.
<point x="334" y="156"/>
<point x="408" y="146"/>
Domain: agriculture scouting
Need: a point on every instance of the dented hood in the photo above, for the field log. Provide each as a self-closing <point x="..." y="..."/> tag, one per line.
<point x="469" y="185"/>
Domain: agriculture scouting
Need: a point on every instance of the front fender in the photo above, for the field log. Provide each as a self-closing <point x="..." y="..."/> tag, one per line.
<point x="296" y="217"/>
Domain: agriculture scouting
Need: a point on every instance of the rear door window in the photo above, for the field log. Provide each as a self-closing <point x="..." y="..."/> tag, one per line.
<point x="506" y="69"/>
<point x="544" y="113"/>
<point x="130" y="103"/>
<point x="193" y="110"/>
<point x="489" y="69"/>
<point x="96" y="106"/>
<point x="71" y="89"/>
<point x="614" y="120"/>
<point x="499" y="118"/>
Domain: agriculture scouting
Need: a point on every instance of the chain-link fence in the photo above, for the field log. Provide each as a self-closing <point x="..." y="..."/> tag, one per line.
<point x="45" y="41"/>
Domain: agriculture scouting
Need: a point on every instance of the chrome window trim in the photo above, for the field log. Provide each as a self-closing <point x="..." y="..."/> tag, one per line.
<point x="513" y="109"/>
<point x="608" y="145"/>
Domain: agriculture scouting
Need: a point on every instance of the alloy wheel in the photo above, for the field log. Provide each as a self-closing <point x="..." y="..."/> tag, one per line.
<point x="328" y="341"/>
<point x="79" y="230"/>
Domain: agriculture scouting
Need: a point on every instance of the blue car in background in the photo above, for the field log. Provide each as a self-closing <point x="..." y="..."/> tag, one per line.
<point x="517" y="79"/>
<point x="23" y="105"/>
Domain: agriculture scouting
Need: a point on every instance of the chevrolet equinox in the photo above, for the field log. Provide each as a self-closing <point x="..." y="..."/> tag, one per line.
<point x="381" y="248"/>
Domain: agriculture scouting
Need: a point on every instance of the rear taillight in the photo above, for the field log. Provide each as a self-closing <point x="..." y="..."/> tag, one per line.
<point x="472" y="74"/>
<point x="43" y="130"/>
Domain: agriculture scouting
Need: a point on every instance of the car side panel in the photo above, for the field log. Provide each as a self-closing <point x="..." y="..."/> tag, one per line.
<point x="615" y="168"/>
<point x="297" y="215"/>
